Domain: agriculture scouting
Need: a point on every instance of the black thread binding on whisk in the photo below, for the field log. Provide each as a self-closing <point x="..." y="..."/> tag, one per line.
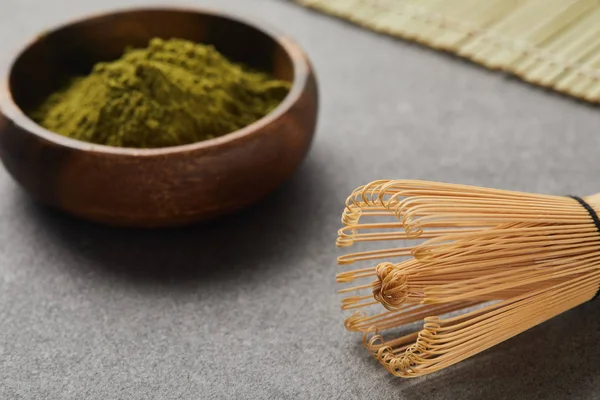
<point x="594" y="216"/>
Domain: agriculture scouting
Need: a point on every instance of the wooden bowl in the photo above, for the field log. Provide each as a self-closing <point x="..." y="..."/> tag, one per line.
<point x="153" y="187"/>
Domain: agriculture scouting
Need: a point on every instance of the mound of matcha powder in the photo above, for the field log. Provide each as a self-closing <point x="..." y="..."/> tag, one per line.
<point x="171" y="93"/>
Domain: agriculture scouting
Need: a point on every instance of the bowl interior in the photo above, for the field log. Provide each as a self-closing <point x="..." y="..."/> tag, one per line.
<point x="46" y="64"/>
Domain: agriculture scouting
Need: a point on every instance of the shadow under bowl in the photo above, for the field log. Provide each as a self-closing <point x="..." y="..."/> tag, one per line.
<point x="161" y="187"/>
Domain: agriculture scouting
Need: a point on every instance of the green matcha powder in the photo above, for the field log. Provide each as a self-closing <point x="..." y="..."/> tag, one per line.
<point x="174" y="92"/>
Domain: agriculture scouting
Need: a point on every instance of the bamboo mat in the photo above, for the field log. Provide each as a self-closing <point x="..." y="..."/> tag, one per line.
<point x="550" y="43"/>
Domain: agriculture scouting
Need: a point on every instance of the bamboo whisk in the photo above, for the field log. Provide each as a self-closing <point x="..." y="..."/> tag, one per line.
<point x="484" y="265"/>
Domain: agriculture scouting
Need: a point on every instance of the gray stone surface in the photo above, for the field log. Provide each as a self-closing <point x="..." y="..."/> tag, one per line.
<point x="216" y="311"/>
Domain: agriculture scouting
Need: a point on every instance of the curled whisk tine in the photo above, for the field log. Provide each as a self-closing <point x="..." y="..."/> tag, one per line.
<point x="368" y="192"/>
<point x="372" y="191"/>
<point x="354" y="196"/>
<point x="354" y="206"/>
<point x="410" y="219"/>
<point x="404" y="365"/>
<point x="390" y="189"/>
<point x="351" y="215"/>
<point x="351" y="302"/>
<point x="355" y="302"/>
<point x="407" y="365"/>
<point x="402" y="208"/>
<point x="373" y="341"/>
<point x="385" y="355"/>
<point x="351" y="276"/>
<point x="393" y="203"/>
<point x="352" y="322"/>
<point x="431" y="324"/>
<point x="361" y="198"/>
<point x="369" y="334"/>
<point x="346" y="236"/>
<point x="413" y="231"/>
<point x="345" y="277"/>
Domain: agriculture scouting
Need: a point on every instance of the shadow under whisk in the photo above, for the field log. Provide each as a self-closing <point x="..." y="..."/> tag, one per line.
<point x="519" y="258"/>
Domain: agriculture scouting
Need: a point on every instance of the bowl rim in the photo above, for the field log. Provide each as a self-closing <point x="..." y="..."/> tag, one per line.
<point x="299" y="60"/>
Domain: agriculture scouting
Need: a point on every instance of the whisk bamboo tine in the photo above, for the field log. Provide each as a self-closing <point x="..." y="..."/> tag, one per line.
<point x="530" y="256"/>
<point x="442" y="343"/>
